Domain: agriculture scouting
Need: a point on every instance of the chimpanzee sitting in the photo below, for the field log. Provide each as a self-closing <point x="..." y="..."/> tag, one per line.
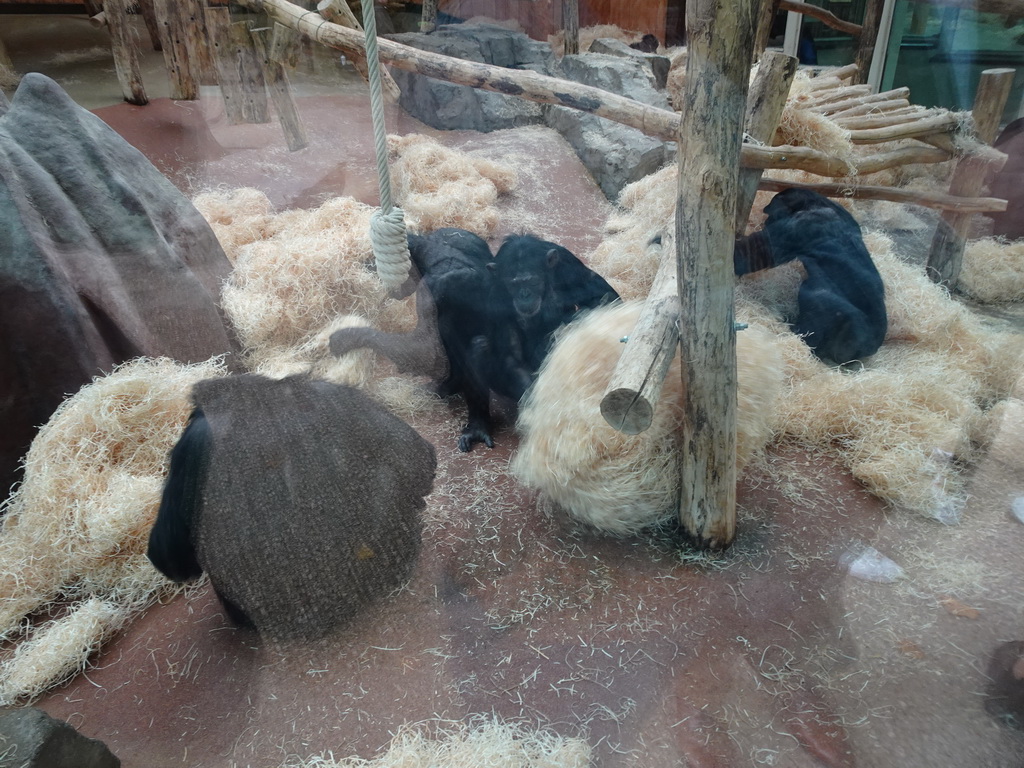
<point x="465" y="310"/>
<point x="842" y="302"/>
<point x="548" y="285"/>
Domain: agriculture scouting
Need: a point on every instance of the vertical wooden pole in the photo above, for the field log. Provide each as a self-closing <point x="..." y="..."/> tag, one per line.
<point x="720" y="35"/>
<point x="338" y="12"/>
<point x="868" y="37"/>
<point x="947" y="251"/>
<point x="280" y="93"/>
<point x="238" y="69"/>
<point x="149" y="17"/>
<point x="428" y="21"/>
<point x="769" y="8"/>
<point x="571" y="25"/>
<point x="126" y="56"/>
<point x="175" y="34"/>
<point x="767" y="99"/>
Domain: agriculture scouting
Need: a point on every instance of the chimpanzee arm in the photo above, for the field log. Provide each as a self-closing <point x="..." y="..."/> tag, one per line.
<point x="170" y="541"/>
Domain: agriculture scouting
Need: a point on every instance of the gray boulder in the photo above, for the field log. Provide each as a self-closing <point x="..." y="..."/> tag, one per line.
<point x="101" y="259"/>
<point x="615" y="154"/>
<point x="658" y="64"/>
<point x="30" y="738"/>
<point x="448" y="106"/>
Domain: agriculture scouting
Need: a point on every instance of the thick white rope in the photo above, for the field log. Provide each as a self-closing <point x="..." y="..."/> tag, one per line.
<point x="387" y="225"/>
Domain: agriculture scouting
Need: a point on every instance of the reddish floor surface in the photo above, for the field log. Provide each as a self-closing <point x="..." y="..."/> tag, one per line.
<point x="769" y="655"/>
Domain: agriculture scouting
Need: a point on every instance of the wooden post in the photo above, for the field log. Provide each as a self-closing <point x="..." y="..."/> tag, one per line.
<point x="126" y="57"/>
<point x="769" y="8"/>
<point x="428" y="21"/>
<point x="238" y="68"/>
<point x="284" y="48"/>
<point x="280" y="93"/>
<point x="176" y="36"/>
<point x="868" y="37"/>
<point x="720" y="35"/>
<point x="947" y="251"/>
<point x="571" y="26"/>
<point x="338" y="12"/>
<point x="148" y="12"/>
<point x="765" y="102"/>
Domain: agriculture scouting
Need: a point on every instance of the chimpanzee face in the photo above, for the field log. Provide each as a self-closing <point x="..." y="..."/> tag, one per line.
<point x="527" y="291"/>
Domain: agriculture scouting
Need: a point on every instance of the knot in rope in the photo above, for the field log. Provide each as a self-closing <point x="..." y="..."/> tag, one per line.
<point x="390" y="247"/>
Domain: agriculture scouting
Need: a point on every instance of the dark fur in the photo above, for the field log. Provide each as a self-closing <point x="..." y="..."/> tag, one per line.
<point x="842" y="313"/>
<point x="548" y="286"/>
<point x="466" y="336"/>
<point x="300" y="499"/>
<point x="170" y="540"/>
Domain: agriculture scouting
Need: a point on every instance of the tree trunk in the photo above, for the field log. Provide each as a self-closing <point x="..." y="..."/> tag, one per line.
<point x="721" y="36"/>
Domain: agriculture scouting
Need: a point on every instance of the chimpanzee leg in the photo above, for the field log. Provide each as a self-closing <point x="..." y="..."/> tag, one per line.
<point x="418" y="352"/>
<point x="833" y="328"/>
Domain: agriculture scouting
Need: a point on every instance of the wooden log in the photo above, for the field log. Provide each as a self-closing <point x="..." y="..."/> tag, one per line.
<point x="829" y="18"/>
<point x="571" y="26"/>
<point x="885" y="119"/>
<point x="868" y="38"/>
<point x="947" y="251"/>
<point x="200" y="46"/>
<point x="99" y="20"/>
<point x="148" y="12"/>
<point x="280" y="92"/>
<point x="126" y="56"/>
<point x="769" y="8"/>
<point x="338" y="12"/>
<point x="177" y="39"/>
<point x="765" y="103"/>
<point x="825" y="98"/>
<point x="239" y="72"/>
<point x="634" y="390"/>
<point x="838" y="107"/>
<point x="943" y="123"/>
<point x="813" y="161"/>
<point x="720" y="37"/>
<point x="428" y="21"/>
<point x="937" y="200"/>
<point x="284" y="48"/>
<point x="255" y="108"/>
<point x="871" y="108"/>
<point x="832" y="77"/>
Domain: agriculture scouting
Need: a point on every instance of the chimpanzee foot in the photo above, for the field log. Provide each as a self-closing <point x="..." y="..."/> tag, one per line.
<point x="472" y="434"/>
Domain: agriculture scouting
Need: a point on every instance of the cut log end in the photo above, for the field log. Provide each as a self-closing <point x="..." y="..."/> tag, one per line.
<point x="627" y="411"/>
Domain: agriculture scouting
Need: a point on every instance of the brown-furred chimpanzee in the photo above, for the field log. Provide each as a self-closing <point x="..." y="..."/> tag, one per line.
<point x="548" y="286"/>
<point x="841" y="303"/>
<point x="301" y="499"/>
<point x="467" y="334"/>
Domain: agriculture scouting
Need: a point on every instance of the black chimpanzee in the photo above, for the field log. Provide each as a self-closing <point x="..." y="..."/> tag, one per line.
<point x="466" y="334"/>
<point x="300" y="499"/>
<point x="548" y="285"/>
<point x="842" y="302"/>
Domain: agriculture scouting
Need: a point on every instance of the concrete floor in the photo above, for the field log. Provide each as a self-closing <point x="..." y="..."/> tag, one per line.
<point x="772" y="654"/>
